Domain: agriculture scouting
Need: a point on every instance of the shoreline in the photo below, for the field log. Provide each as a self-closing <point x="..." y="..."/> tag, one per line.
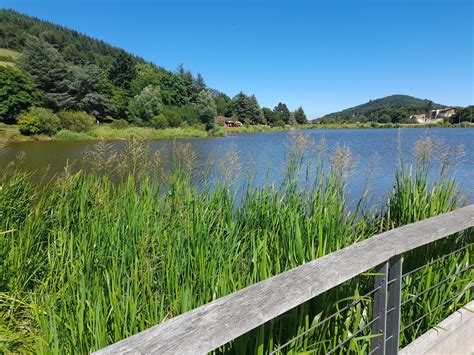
<point x="11" y="133"/>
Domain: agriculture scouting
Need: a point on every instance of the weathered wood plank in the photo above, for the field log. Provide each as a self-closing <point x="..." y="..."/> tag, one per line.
<point x="414" y="235"/>
<point x="216" y="323"/>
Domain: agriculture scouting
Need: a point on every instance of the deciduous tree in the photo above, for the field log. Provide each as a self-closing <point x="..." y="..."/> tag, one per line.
<point x="206" y="107"/>
<point x="144" y="106"/>
<point x="17" y="94"/>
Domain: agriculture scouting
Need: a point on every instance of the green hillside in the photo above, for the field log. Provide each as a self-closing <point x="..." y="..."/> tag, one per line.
<point x="398" y="107"/>
<point x="58" y="69"/>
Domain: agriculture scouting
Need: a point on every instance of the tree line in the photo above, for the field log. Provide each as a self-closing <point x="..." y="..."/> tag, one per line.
<point x="61" y="70"/>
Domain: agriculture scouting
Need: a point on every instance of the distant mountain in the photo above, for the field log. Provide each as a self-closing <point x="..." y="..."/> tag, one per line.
<point x="407" y="103"/>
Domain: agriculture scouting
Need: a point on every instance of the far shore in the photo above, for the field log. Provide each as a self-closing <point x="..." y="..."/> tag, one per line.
<point x="11" y="133"/>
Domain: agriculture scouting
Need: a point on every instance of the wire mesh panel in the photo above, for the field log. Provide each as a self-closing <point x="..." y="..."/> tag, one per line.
<point x="377" y="312"/>
<point x="339" y="321"/>
<point x="438" y="287"/>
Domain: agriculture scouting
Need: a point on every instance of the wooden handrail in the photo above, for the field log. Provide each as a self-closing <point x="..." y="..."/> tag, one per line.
<point x="216" y="323"/>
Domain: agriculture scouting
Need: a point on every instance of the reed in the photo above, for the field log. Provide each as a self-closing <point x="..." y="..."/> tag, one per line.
<point x="88" y="260"/>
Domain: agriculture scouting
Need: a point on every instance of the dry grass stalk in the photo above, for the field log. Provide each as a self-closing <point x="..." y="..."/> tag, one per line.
<point x="185" y="158"/>
<point x="342" y="161"/>
<point x="229" y="165"/>
<point x="102" y="158"/>
<point x="429" y="151"/>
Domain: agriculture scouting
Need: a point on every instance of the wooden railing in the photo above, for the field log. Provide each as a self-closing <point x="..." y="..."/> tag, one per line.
<point x="221" y="321"/>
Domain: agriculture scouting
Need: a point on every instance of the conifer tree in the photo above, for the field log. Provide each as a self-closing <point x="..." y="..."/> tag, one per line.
<point x="300" y="116"/>
<point x="48" y="70"/>
<point x="282" y="113"/>
<point x="123" y="70"/>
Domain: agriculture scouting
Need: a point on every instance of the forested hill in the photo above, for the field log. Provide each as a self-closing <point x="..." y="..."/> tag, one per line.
<point x="58" y="69"/>
<point x="402" y="105"/>
<point x="76" y="48"/>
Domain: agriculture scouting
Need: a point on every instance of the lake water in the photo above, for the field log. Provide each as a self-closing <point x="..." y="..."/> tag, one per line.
<point x="265" y="154"/>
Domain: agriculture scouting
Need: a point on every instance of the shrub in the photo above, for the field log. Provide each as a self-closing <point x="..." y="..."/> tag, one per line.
<point x="189" y="114"/>
<point x="39" y="120"/>
<point x="76" y="121"/>
<point x="385" y="118"/>
<point x="159" y="122"/>
<point x="173" y="116"/>
<point x="28" y="124"/>
<point x="280" y="123"/>
<point x="119" y="124"/>
<point x="217" y="131"/>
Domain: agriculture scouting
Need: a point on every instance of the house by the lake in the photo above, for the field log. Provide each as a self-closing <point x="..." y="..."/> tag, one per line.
<point x="443" y="112"/>
<point x="434" y="115"/>
<point x="419" y="118"/>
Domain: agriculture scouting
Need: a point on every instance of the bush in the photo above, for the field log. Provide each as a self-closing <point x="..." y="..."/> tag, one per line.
<point x="385" y="118"/>
<point x="119" y="124"/>
<point x="173" y="116"/>
<point x="76" y="121"/>
<point x="189" y="114"/>
<point x="39" y="120"/>
<point x="28" y="124"/>
<point x="217" y="132"/>
<point x="280" y="123"/>
<point x="159" y="122"/>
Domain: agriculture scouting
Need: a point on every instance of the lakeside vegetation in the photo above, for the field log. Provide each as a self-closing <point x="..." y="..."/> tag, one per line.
<point x="87" y="259"/>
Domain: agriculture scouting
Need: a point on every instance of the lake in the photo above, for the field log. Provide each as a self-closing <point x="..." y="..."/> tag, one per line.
<point x="375" y="153"/>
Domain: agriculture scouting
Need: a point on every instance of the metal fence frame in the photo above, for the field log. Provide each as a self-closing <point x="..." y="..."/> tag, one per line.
<point x="216" y="323"/>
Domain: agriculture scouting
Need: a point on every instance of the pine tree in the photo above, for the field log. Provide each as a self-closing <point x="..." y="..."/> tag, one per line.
<point x="48" y="70"/>
<point x="300" y="116"/>
<point x="282" y="113"/>
<point x="256" y="114"/>
<point x="123" y="71"/>
<point x="240" y="107"/>
<point x="84" y="92"/>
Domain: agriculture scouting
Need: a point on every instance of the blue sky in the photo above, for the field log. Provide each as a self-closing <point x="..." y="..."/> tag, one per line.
<point x="323" y="55"/>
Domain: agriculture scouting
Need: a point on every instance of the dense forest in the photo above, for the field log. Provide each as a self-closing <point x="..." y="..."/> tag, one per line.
<point x="54" y="78"/>
<point x="394" y="108"/>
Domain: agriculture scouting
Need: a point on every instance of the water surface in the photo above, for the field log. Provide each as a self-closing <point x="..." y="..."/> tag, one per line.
<point x="264" y="154"/>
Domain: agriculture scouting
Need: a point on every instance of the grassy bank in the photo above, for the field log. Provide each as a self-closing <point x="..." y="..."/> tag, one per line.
<point x="86" y="261"/>
<point x="255" y="129"/>
<point x="386" y="125"/>
<point x="12" y="133"/>
<point x="105" y="131"/>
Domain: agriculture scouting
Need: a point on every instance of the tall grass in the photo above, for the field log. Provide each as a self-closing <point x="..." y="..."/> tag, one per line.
<point x="87" y="260"/>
